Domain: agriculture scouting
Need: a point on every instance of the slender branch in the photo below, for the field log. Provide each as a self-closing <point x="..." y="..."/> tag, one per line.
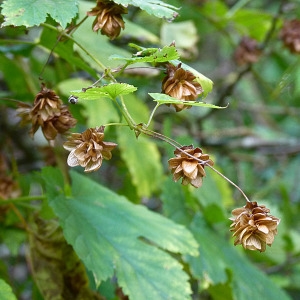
<point x="11" y="41"/>
<point x="115" y="124"/>
<point x="202" y="162"/>
<point x="160" y="136"/>
<point x="231" y="182"/>
<point x="230" y="88"/>
<point x="228" y="91"/>
<point x="152" y="114"/>
<point x="270" y="32"/>
<point x="100" y="64"/>
<point x="22" y="199"/>
<point x="131" y="123"/>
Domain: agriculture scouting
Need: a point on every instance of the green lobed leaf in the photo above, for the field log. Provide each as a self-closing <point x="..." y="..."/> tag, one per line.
<point x="107" y="232"/>
<point x="153" y="7"/>
<point x="143" y="161"/>
<point x="150" y="55"/>
<point x="31" y="12"/>
<point x="6" y="291"/>
<point x="219" y="261"/>
<point x="166" y="99"/>
<point x="96" y="112"/>
<point x="111" y="90"/>
<point x="175" y="202"/>
<point x="205" y="82"/>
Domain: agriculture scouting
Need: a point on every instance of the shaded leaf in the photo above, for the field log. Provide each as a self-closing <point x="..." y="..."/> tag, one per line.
<point x="65" y="50"/>
<point x="14" y="76"/>
<point x="150" y="55"/>
<point x="153" y="7"/>
<point x="214" y="197"/>
<point x="112" y="91"/>
<point x="107" y="233"/>
<point x="143" y="161"/>
<point x="246" y="20"/>
<point x="6" y="291"/>
<point x="184" y="33"/>
<point x="136" y="31"/>
<point x="31" y="12"/>
<point x="166" y="99"/>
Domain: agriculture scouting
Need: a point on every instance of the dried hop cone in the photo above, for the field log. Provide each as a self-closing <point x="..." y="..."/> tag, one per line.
<point x="290" y="34"/>
<point x="247" y="51"/>
<point x="47" y="112"/>
<point x="253" y="227"/>
<point x="181" y="84"/>
<point x="185" y="164"/>
<point x="88" y="149"/>
<point x="108" y="18"/>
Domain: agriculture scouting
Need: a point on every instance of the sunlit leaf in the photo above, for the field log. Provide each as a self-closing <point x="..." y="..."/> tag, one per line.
<point x="205" y="82"/>
<point x="6" y="291"/>
<point x="107" y="232"/>
<point x="112" y="91"/>
<point x="166" y="99"/>
<point x="153" y="7"/>
<point x="150" y="55"/>
<point x="31" y="12"/>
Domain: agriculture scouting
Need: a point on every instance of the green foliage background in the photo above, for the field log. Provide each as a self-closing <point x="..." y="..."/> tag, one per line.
<point x="129" y="225"/>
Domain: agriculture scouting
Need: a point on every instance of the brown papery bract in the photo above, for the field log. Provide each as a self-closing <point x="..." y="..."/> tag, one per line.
<point x="253" y="227"/>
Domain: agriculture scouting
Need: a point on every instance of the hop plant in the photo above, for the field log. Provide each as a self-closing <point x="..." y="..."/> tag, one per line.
<point x="247" y="51"/>
<point x="290" y="35"/>
<point x="181" y="84"/>
<point x="47" y="112"/>
<point x="253" y="227"/>
<point x="186" y="165"/>
<point x="88" y="149"/>
<point x="108" y="18"/>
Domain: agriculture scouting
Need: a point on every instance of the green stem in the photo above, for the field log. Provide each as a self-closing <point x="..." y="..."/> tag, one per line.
<point x="202" y="162"/>
<point x="8" y="41"/>
<point x="228" y="180"/>
<point x="131" y="123"/>
<point x="160" y="136"/>
<point x="115" y="124"/>
<point x="152" y="114"/>
<point x="63" y="33"/>
<point x="22" y="199"/>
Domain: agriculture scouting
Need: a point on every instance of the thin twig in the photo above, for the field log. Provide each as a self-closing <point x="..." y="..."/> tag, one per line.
<point x="202" y="162"/>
